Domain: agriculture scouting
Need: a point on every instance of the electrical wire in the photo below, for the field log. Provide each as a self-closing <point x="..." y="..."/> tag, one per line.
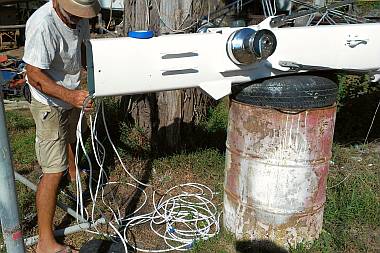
<point x="372" y="122"/>
<point x="109" y="21"/>
<point x="183" y="215"/>
<point x="187" y="217"/>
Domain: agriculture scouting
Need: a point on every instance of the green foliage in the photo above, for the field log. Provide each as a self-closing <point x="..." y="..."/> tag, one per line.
<point x="357" y="102"/>
<point x="133" y="139"/>
<point x="217" y="119"/>
<point x="22" y="144"/>
<point x="21" y="129"/>
<point x="26" y="200"/>
<point x="352" y="209"/>
<point x="112" y="108"/>
<point x="354" y="201"/>
<point x="17" y="120"/>
<point x="353" y="86"/>
<point x="202" y="161"/>
<point x="221" y="243"/>
<point x="208" y="164"/>
<point x="323" y="245"/>
<point x="352" y="197"/>
<point x="367" y="6"/>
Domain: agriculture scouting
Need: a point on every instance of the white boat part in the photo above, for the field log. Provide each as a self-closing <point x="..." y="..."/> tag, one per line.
<point x="120" y="66"/>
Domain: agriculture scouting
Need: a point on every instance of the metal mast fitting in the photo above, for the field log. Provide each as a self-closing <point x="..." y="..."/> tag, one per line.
<point x="8" y="202"/>
<point x="247" y="46"/>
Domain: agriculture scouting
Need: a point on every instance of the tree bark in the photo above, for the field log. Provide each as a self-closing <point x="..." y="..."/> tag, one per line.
<point x="140" y="107"/>
<point x="167" y="116"/>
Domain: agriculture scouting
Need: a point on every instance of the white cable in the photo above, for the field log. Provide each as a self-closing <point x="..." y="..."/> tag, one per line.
<point x="118" y="233"/>
<point x="180" y="210"/>
<point x="80" y="142"/>
<point x="373" y="120"/>
<point x="181" y="216"/>
<point x="109" y="21"/>
<point x="264" y="8"/>
<point x="96" y="144"/>
<point x="115" y="150"/>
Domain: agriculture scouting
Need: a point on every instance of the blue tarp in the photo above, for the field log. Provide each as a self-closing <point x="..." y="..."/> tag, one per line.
<point x="8" y="75"/>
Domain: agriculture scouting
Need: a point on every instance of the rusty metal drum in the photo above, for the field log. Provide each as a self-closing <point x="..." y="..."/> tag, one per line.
<point x="277" y="163"/>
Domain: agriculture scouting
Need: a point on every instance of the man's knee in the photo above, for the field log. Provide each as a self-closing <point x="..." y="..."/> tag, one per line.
<point x="52" y="177"/>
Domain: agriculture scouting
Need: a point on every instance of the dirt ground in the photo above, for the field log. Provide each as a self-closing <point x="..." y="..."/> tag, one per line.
<point x="128" y="197"/>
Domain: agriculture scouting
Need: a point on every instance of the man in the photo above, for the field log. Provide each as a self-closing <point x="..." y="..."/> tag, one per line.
<point x="54" y="37"/>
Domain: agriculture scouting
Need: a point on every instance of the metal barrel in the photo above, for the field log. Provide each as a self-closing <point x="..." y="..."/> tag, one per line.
<point x="276" y="172"/>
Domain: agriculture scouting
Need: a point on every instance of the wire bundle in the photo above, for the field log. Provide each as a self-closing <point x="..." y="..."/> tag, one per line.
<point x="187" y="216"/>
<point x="183" y="215"/>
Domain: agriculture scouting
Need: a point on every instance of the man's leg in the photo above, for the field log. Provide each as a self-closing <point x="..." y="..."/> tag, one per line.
<point x="71" y="160"/>
<point x="51" y="152"/>
<point x="46" y="200"/>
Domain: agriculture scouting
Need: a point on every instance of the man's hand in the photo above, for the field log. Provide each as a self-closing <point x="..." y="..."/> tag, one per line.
<point x="42" y="82"/>
<point x="77" y="98"/>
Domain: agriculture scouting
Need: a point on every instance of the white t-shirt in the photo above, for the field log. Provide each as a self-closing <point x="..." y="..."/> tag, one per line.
<point x="56" y="48"/>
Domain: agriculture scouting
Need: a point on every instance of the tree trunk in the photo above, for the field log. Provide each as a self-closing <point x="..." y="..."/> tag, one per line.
<point x="140" y="107"/>
<point x="167" y="116"/>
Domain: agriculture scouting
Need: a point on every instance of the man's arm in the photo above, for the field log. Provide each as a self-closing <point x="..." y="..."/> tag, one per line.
<point x="42" y="82"/>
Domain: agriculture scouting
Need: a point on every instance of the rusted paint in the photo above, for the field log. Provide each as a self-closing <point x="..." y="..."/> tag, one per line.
<point x="16" y="235"/>
<point x="276" y="172"/>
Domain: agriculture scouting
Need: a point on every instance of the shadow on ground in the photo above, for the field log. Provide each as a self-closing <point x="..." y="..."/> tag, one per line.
<point x="103" y="246"/>
<point x="258" y="246"/>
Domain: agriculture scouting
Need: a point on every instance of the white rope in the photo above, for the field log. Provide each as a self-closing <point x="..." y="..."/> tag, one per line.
<point x="187" y="217"/>
<point x="183" y="215"/>
<point x="373" y="121"/>
<point x="109" y="21"/>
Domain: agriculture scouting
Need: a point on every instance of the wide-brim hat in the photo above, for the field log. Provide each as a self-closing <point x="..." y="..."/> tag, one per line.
<point x="81" y="8"/>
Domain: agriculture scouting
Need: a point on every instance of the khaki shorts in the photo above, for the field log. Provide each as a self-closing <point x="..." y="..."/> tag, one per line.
<point x="55" y="128"/>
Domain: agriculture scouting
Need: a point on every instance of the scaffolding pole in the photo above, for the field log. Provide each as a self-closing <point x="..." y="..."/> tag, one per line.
<point x="64" y="207"/>
<point x="67" y="231"/>
<point x="9" y="216"/>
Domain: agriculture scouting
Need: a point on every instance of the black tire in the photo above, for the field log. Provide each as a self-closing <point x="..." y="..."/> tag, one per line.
<point x="289" y="92"/>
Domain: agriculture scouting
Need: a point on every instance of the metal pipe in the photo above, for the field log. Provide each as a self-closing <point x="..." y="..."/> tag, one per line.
<point x="64" y="207"/>
<point x="66" y="231"/>
<point x="11" y="27"/>
<point x="9" y="216"/>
